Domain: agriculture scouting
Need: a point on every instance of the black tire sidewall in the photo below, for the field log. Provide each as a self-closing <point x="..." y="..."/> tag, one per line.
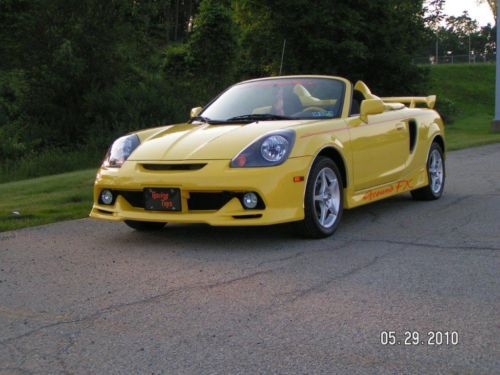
<point x="309" y="210"/>
<point x="435" y="146"/>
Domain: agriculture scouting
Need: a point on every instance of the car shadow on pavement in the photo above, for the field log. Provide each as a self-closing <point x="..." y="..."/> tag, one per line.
<point x="206" y="236"/>
<point x="398" y="212"/>
<point x="251" y="237"/>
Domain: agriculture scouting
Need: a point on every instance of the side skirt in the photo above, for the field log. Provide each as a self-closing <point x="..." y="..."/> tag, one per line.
<point x="404" y="184"/>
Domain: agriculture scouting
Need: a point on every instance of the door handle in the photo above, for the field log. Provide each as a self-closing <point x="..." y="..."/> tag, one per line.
<point x="400" y="126"/>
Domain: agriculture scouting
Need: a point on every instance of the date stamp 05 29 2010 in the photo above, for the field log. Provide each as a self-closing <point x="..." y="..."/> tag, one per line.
<point x="415" y="338"/>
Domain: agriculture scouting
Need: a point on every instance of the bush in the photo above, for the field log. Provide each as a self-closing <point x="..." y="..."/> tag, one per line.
<point x="447" y="109"/>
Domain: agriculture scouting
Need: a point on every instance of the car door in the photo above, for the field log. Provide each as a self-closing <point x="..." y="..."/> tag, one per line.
<point x="379" y="149"/>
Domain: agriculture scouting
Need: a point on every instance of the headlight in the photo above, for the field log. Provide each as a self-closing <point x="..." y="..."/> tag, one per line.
<point x="270" y="150"/>
<point x="274" y="148"/>
<point x="121" y="150"/>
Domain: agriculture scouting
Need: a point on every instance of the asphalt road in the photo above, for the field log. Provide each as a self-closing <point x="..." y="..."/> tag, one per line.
<point x="92" y="297"/>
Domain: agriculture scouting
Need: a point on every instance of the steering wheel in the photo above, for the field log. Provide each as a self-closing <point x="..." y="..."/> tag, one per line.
<point x="314" y="109"/>
<point x="309" y="110"/>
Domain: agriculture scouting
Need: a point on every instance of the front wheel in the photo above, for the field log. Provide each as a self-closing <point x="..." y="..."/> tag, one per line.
<point x="436" y="174"/>
<point x="323" y="200"/>
<point x="144" y="226"/>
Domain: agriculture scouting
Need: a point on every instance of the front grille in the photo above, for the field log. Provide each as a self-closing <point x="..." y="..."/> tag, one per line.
<point x="196" y="201"/>
<point x="215" y="201"/>
<point x="134" y="198"/>
<point x="208" y="201"/>
<point x="173" y="167"/>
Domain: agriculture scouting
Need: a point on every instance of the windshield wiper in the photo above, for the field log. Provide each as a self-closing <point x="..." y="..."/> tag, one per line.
<point x="259" y="116"/>
<point x="242" y="118"/>
<point x="206" y="120"/>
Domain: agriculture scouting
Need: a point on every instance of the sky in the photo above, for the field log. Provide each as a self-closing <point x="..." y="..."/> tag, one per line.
<point x="481" y="13"/>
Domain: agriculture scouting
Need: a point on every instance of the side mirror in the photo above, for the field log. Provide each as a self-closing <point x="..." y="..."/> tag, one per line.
<point x="371" y="107"/>
<point x="195" y="111"/>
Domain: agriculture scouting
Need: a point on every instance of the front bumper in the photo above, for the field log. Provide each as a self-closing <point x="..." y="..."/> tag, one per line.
<point x="282" y="196"/>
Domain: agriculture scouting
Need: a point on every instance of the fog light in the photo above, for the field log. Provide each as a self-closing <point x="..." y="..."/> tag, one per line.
<point x="250" y="200"/>
<point x="107" y="197"/>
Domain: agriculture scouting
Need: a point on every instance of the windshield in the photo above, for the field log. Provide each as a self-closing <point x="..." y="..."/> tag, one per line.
<point x="279" y="99"/>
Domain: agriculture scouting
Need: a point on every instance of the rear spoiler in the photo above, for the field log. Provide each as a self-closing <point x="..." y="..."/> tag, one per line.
<point x="429" y="101"/>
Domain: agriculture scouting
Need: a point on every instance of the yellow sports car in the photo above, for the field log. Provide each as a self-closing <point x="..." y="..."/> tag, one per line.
<point x="274" y="150"/>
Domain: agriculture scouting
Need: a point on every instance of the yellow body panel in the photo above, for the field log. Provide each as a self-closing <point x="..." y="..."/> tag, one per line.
<point x="274" y="184"/>
<point x="377" y="156"/>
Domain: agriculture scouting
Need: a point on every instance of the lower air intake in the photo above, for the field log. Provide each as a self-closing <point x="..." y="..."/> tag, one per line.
<point x="173" y="167"/>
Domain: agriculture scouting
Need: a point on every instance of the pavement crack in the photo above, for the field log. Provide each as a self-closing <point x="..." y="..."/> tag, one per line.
<point x="238" y="279"/>
<point x="322" y="286"/>
<point x="430" y="245"/>
<point x="151" y="299"/>
<point x="340" y="244"/>
<point x="293" y="256"/>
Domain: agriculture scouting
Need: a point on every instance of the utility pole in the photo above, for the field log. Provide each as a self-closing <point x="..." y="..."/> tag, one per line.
<point x="495" y="126"/>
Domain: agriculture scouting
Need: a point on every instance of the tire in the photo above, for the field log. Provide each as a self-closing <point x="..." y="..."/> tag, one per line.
<point x="144" y="226"/>
<point x="436" y="173"/>
<point x="322" y="211"/>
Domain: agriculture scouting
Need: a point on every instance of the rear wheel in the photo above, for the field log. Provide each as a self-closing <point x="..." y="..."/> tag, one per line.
<point x="323" y="200"/>
<point x="144" y="226"/>
<point x="436" y="174"/>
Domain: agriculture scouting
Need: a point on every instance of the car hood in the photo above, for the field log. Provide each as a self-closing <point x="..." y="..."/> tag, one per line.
<point x="204" y="141"/>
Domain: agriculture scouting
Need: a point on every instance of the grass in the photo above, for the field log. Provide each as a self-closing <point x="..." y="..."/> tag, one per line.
<point x="46" y="200"/>
<point x="49" y="162"/>
<point x="472" y="89"/>
<point x="67" y="196"/>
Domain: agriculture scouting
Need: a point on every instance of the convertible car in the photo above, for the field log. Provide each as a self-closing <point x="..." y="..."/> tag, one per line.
<point x="274" y="150"/>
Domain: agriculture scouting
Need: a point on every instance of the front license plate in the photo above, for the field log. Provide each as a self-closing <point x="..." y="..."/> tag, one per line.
<point x="168" y="199"/>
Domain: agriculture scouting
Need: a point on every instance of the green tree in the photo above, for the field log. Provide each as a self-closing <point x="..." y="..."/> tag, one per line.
<point x="456" y="34"/>
<point x="205" y="64"/>
<point x="212" y="45"/>
<point x="87" y="67"/>
<point x="335" y="37"/>
<point x="75" y="73"/>
<point x="434" y="14"/>
<point x="486" y="40"/>
<point x="165" y="21"/>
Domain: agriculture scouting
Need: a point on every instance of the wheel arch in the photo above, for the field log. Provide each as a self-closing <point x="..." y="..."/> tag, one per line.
<point x="440" y="141"/>
<point x="335" y="155"/>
